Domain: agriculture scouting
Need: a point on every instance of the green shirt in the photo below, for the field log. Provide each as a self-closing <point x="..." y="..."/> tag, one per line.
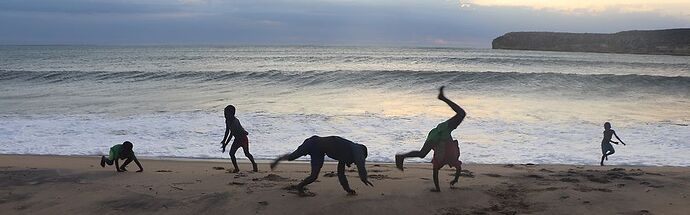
<point x="115" y="152"/>
<point x="439" y="136"/>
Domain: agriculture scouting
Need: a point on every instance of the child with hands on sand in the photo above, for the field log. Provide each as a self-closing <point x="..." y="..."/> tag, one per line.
<point x="121" y="151"/>
<point x="344" y="151"/>
<point x="446" y="150"/>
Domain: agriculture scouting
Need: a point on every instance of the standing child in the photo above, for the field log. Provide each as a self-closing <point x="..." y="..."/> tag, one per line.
<point x="235" y="129"/>
<point x="121" y="151"/>
<point x="606" y="147"/>
<point x="446" y="149"/>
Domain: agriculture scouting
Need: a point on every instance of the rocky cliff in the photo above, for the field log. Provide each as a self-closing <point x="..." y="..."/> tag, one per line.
<point x="670" y="42"/>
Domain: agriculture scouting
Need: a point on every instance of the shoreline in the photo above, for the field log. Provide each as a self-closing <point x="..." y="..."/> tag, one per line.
<point x="77" y="185"/>
<point x="328" y="160"/>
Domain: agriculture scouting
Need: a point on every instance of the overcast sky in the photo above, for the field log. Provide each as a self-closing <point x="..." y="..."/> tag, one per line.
<point x="471" y="23"/>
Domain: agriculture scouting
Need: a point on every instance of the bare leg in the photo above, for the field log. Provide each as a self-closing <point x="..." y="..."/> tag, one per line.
<point x="437" y="189"/>
<point x="460" y="113"/>
<point x="418" y="154"/>
<point x="124" y="165"/>
<point x="292" y="156"/>
<point x="251" y="158"/>
<point x="233" y="150"/>
<point x="105" y="160"/>
<point x="457" y="175"/>
<point x="316" y="164"/>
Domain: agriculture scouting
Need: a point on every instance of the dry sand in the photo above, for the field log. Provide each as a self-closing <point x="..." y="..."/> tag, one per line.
<point x="78" y="185"/>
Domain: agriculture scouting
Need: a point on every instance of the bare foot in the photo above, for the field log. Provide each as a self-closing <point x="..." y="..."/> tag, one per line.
<point x="435" y="190"/>
<point x="440" y="93"/>
<point x="236" y="171"/>
<point x="399" y="162"/>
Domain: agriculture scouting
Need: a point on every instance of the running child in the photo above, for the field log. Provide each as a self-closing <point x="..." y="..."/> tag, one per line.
<point x="606" y="147"/>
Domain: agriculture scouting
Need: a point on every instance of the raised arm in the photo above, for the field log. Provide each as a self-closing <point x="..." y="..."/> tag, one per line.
<point x="619" y="139"/>
<point x="343" y="179"/>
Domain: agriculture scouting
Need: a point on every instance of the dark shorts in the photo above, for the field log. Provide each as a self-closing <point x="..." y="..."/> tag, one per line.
<point x="240" y="142"/>
<point x="451" y="156"/>
<point x="607" y="147"/>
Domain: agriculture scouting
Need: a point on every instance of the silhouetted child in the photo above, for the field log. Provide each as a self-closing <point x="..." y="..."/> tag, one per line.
<point x="344" y="151"/>
<point x="121" y="151"/>
<point x="606" y="147"/>
<point x="235" y="129"/>
<point x="446" y="150"/>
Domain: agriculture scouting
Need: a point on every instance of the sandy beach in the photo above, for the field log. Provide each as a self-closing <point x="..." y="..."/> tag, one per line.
<point x="78" y="185"/>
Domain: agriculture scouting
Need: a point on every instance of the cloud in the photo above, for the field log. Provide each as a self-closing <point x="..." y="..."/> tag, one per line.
<point x="677" y="8"/>
<point x="321" y="22"/>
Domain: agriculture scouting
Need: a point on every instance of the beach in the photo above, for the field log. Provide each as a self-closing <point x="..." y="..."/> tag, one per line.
<point x="78" y="185"/>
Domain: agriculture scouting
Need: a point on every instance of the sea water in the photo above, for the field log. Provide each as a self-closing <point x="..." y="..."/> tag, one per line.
<point x="523" y="106"/>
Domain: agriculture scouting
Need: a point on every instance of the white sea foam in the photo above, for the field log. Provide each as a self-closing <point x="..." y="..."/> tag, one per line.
<point x="197" y="135"/>
<point x="524" y="106"/>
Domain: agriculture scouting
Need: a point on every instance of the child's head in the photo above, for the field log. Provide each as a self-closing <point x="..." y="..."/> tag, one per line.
<point x="229" y="111"/>
<point x="127" y="150"/>
<point x="360" y="152"/>
<point x="607" y="125"/>
<point x="365" y="151"/>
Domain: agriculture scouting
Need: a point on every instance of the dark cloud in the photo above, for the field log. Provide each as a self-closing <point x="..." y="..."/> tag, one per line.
<point x="442" y="23"/>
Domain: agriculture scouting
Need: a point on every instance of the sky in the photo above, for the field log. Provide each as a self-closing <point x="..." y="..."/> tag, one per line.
<point x="443" y="23"/>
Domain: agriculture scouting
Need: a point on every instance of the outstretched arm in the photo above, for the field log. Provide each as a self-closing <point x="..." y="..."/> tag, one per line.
<point x="141" y="169"/>
<point x="343" y="179"/>
<point x="619" y="139"/>
<point x="117" y="165"/>
<point x="361" y="168"/>
<point x="225" y="140"/>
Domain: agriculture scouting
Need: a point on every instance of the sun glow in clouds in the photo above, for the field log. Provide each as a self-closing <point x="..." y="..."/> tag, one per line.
<point x="677" y="8"/>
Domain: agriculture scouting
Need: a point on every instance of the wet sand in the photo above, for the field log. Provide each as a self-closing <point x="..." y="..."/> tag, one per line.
<point x="78" y="185"/>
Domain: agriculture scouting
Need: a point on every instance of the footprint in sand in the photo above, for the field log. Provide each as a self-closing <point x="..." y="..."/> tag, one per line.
<point x="545" y="170"/>
<point x="239" y="175"/>
<point x="329" y="174"/>
<point x="381" y="177"/>
<point x="274" y="177"/>
<point x="492" y="175"/>
<point x="293" y="189"/>
<point x="163" y="170"/>
<point x="599" y="180"/>
<point x="535" y="176"/>
<point x="464" y="173"/>
<point x="218" y="168"/>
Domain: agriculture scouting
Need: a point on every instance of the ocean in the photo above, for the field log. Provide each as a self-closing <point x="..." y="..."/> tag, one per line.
<point x="523" y="106"/>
